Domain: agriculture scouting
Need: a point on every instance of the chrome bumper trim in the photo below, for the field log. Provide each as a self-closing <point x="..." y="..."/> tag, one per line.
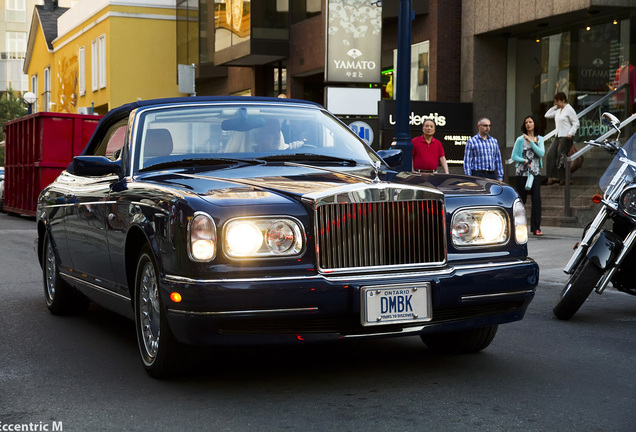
<point x="353" y="277"/>
<point x="495" y="295"/>
<point x="407" y="330"/>
<point x="243" y="312"/>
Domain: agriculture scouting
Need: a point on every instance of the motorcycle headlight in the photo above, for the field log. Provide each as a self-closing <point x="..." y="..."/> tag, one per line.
<point x="263" y="237"/>
<point x="479" y="227"/>
<point x="202" y="238"/>
<point x="628" y="201"/>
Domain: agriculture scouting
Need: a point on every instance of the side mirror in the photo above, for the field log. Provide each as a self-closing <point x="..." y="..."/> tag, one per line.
<point x="392" y="157"/>
<point x="95" y="166"/>
<point x="609" y="119"/>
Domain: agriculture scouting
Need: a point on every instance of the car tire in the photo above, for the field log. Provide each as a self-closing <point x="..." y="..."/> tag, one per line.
<point x="61" y="298"/>
<point x="460" y="342"/>
<point x="157" y="346"/>
<point x="577" y="290"/>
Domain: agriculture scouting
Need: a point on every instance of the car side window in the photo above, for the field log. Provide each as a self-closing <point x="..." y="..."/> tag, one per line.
<point x="113" y="142"/>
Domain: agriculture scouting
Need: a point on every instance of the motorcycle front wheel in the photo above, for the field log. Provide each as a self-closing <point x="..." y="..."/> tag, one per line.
<point x="577" y="289"/>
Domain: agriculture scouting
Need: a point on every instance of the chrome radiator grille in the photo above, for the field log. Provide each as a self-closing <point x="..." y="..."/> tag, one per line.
<point x="354" y="235"/>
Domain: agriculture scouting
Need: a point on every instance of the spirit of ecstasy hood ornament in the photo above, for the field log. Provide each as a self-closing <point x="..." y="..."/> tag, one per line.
<point x="376" y="168"/>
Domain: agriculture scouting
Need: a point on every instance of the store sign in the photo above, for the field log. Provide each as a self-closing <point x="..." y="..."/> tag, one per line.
<point x="354" y="41"/>
<point x="364" y="131"/>
<point x="453" y="123"/>
<point x="364" y="127"/>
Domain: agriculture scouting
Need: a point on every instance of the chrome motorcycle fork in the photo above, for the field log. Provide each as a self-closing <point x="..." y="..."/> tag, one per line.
<point x="595" y="226"/>
<point x="609" y="274"/>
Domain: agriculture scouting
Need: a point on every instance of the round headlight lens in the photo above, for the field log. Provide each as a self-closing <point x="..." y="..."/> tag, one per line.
<point x="492" y="226"/>
<point x="464" y="227"/>
<point x="282" y="237"/>
<point x="243" y="238"/>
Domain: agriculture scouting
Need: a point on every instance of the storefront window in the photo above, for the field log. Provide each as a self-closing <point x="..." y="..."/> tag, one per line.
<point x="585" y="62"/>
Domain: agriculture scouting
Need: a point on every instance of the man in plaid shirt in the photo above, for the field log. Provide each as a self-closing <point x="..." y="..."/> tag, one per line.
<point x="482" y="157"/>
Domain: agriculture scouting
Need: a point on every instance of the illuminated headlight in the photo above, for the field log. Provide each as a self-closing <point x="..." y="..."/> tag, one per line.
<point x="202" y="238"/>
<point x="628" y="201"/>
<point x="521" y="222"/>
<point x="479" y="227"/>
<point x="263" y="237"/>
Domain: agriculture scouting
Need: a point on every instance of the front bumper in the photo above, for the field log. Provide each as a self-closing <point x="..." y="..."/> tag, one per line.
<point x="292" y="309"/>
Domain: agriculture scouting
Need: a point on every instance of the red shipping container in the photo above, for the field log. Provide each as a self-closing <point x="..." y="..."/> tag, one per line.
<point x="38" y="148"/>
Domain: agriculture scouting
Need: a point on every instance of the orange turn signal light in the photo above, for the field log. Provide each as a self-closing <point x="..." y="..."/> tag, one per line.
<point x="175" y="297"/>
<point x="597" y="198"/>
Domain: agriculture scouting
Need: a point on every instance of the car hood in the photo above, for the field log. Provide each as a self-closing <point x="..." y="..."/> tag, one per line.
<point x="278" y="181"/>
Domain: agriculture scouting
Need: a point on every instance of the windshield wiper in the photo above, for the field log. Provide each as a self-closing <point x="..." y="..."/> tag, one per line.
<point x="201" y="161"/>
<point x="309" y="158"/>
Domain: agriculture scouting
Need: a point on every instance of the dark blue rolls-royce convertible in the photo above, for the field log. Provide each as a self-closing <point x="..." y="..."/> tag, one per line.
<point x="258" y="220"/>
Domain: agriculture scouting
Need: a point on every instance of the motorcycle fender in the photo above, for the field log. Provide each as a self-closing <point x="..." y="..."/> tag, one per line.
<point x="604" y="249"/>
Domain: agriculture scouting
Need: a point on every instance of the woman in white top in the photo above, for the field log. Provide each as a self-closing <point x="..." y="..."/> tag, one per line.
<point x="566" y="124"/>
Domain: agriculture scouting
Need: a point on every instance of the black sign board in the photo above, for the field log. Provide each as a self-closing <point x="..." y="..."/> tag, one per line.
<point x="453" y="124"/>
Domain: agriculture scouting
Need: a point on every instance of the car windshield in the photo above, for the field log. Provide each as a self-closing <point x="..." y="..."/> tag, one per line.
<point x="228" y="134"/>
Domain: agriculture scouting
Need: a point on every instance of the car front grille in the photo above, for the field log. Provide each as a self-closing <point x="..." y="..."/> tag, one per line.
<point x="380" y="234"/>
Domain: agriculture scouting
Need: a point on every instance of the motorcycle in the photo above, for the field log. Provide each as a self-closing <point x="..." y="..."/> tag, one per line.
<point x="605" y="255"/>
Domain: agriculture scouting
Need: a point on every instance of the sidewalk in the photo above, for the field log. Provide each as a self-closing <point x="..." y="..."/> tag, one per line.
<point x="552" y="251"/>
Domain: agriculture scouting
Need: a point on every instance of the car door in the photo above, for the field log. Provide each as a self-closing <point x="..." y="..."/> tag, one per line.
<point x="87" y="221"/>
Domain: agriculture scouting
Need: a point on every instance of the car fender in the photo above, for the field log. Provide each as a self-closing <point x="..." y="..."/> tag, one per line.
<point x="143" y="230"/>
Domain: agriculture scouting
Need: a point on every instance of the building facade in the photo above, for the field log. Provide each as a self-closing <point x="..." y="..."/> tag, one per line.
<point x="15" y="22"/>
<point x="503" y="59"/>
<point x="517" y="54"/>
<point x="100" y="54"/>
<point x="506" y="58"/>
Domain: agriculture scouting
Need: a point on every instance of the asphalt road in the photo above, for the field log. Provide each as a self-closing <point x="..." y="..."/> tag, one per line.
<point x="540" y="374"/>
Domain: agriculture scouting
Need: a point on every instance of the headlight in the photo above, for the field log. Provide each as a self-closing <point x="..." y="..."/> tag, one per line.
<point x="262" y="237"/>
<point x="521" y="222"/>
<point x="479" y="227"/>
<point x="202" y="238"/>
<point x="628" y="201"/>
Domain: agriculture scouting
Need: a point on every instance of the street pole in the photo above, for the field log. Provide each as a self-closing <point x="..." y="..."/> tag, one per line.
<point x="402" y="137"/>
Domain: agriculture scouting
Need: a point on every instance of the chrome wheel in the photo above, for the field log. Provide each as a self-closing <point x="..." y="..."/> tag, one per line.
<point x="149" y="311"/>
<point x="157" y="346"/>
<point x="60" y="297"/>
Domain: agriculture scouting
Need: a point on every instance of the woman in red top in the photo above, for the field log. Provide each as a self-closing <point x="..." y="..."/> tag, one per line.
<point x="428" y="152"/>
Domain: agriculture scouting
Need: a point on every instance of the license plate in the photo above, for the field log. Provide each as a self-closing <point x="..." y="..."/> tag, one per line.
<point x="395" y="304"/>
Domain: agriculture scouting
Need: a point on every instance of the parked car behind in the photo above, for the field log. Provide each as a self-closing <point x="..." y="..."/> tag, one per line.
<point x="215" y="221"/>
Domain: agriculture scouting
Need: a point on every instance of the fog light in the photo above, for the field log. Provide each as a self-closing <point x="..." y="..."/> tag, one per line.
<point x="175" y="297"/>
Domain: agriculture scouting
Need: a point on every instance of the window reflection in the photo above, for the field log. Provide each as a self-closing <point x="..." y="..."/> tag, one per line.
<point x="231" y="22"/>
